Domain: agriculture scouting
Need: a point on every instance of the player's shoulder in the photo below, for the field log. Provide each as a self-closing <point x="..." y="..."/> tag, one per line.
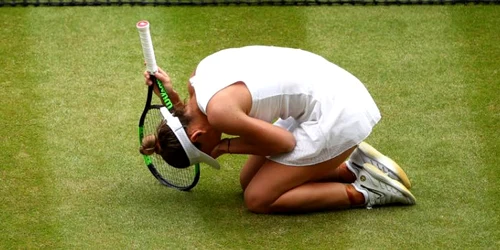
<point x="230" y="100"/>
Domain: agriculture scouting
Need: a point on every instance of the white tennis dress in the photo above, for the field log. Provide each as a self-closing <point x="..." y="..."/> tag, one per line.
<point x="327" y="109"/>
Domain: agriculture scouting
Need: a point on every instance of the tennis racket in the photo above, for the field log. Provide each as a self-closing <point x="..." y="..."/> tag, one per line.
<point x="182" y="179"/>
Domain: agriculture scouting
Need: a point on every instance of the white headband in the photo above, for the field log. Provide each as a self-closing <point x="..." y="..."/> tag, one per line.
<point x="194" y="154"/>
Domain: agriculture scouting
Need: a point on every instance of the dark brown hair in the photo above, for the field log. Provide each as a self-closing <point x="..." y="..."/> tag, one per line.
<point x="170" y="148"/>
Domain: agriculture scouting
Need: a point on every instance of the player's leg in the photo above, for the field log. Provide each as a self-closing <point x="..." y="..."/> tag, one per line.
<point x="251" y="167"/>
<point x="280" y="188"/>
<point x="340" y="173"/>
<point x="345" y="173"/>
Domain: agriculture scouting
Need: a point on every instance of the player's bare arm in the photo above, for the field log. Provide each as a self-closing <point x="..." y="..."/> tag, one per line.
<point x="228" y="111"/>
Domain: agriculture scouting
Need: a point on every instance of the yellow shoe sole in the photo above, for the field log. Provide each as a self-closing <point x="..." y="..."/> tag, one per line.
<point x="392" y="166"/>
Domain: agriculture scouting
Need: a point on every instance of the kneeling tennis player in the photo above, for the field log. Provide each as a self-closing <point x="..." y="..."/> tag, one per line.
<point x="301" y="120"/>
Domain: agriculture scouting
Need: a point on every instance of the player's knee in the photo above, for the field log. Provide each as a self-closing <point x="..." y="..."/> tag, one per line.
<point x="257" y="202"/>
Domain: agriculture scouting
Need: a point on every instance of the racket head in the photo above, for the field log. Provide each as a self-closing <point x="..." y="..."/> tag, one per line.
<point x="182" y="179"/>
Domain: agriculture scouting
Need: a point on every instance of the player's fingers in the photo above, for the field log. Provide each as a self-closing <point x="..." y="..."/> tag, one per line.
<point x="161" y="77"/>
<point x="216" y="152"/>
<point x="162" y="71"/>
<point x="147" y="78"/>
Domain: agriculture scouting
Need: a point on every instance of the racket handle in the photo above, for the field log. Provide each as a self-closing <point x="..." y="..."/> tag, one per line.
<point x="147" y="46"/>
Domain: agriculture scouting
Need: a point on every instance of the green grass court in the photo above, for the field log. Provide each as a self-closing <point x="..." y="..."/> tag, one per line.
<point x="72" y="91"/>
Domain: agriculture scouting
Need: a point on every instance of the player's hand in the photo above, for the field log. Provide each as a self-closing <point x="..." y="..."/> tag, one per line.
<point x="160" y="75"/>
<point x="220" y="149"/>
<point x="167" y="84"/>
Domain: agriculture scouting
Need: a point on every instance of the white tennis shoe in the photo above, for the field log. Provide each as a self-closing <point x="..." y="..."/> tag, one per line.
<point x="365" y="153"/>
<point x="379" y="189"/>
